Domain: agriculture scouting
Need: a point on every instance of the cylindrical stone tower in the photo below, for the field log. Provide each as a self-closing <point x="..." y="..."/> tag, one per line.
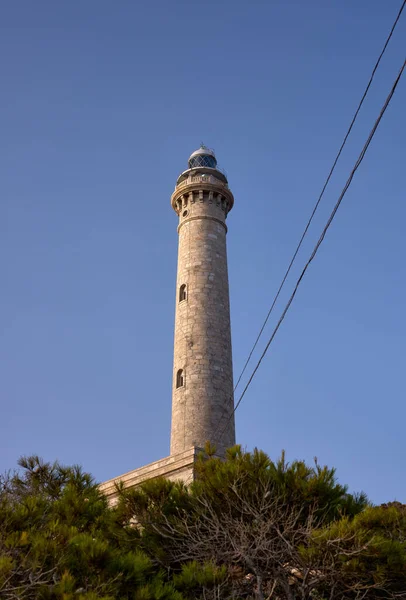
<point x="202" y="398"/>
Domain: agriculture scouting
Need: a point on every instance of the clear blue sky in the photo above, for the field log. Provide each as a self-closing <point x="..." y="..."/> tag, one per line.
<point x="101" y="104"/>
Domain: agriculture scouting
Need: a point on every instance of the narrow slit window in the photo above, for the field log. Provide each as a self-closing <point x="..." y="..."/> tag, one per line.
<point x="180" y="379"/>
<point x="182" y="292"/>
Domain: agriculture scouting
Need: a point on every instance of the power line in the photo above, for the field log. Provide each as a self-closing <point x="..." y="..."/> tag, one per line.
<point x="321" y="238"/>
<point x="321" y="193"/>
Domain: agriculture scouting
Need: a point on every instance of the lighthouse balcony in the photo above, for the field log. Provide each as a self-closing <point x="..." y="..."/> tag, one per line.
<point x="201" y="179"/>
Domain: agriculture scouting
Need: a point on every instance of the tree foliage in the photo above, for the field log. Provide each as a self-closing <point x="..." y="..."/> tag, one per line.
<point x="277" y="530"/>
<point x="247" y="528"/>
<point x="60" y="540"/>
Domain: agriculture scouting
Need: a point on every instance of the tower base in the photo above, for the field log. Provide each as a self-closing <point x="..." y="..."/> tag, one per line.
<point x="178" y="467"/>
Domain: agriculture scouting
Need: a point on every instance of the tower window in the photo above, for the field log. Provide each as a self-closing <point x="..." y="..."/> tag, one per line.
<point x="180" y="379"/>
<point x="182" y="292"/>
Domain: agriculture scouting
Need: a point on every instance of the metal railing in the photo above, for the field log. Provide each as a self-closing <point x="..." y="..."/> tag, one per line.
<point x="202" y="179"/>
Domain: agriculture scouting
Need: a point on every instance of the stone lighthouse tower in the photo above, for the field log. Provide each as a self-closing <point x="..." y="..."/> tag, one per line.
<point x="202" y="398"/>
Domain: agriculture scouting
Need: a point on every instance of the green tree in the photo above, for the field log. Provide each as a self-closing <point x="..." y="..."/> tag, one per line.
<point x="247" y="528"/>
<point x="364" y="557"/>
<point x="60" y="540"/>
<point x="247" y="514"/>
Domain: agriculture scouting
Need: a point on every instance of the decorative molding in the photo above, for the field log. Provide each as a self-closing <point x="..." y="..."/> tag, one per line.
<point x="203" y="217"/>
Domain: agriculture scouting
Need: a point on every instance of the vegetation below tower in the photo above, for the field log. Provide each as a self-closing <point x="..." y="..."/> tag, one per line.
<point x="248" y="528"/>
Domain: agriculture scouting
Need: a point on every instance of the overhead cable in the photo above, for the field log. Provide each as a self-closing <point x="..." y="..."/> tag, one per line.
<point x="321" y="193"/>
<point x="320" y="240"/>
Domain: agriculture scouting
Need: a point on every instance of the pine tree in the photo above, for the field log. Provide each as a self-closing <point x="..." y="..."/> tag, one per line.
<point x="263" y="529"/>
<point x="59" y="540"/>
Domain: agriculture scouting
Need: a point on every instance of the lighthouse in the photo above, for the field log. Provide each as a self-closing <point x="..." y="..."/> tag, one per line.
<point x="202" y="396"/>
<point x="202" y="388"/>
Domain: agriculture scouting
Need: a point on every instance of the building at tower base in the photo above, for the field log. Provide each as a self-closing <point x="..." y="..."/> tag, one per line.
<point x="177" y="467"/>
<point x="202" y="396"/>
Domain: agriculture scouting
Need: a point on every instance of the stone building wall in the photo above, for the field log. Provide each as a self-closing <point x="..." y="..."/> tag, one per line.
<point x="179" y="467"/>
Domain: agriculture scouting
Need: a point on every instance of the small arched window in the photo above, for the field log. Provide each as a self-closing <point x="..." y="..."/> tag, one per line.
<point x="182" y="292"/>
<point x="180" y="379"/>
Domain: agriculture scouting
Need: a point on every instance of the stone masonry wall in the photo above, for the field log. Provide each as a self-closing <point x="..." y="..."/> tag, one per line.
<point x="202" y="406"/>
<point x="179" y="467"/>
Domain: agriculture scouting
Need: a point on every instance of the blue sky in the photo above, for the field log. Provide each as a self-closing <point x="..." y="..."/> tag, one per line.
<point x="101" y="105"/>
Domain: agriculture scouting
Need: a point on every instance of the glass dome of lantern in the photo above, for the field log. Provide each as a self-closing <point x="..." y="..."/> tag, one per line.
<point x="202" y="157"/>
